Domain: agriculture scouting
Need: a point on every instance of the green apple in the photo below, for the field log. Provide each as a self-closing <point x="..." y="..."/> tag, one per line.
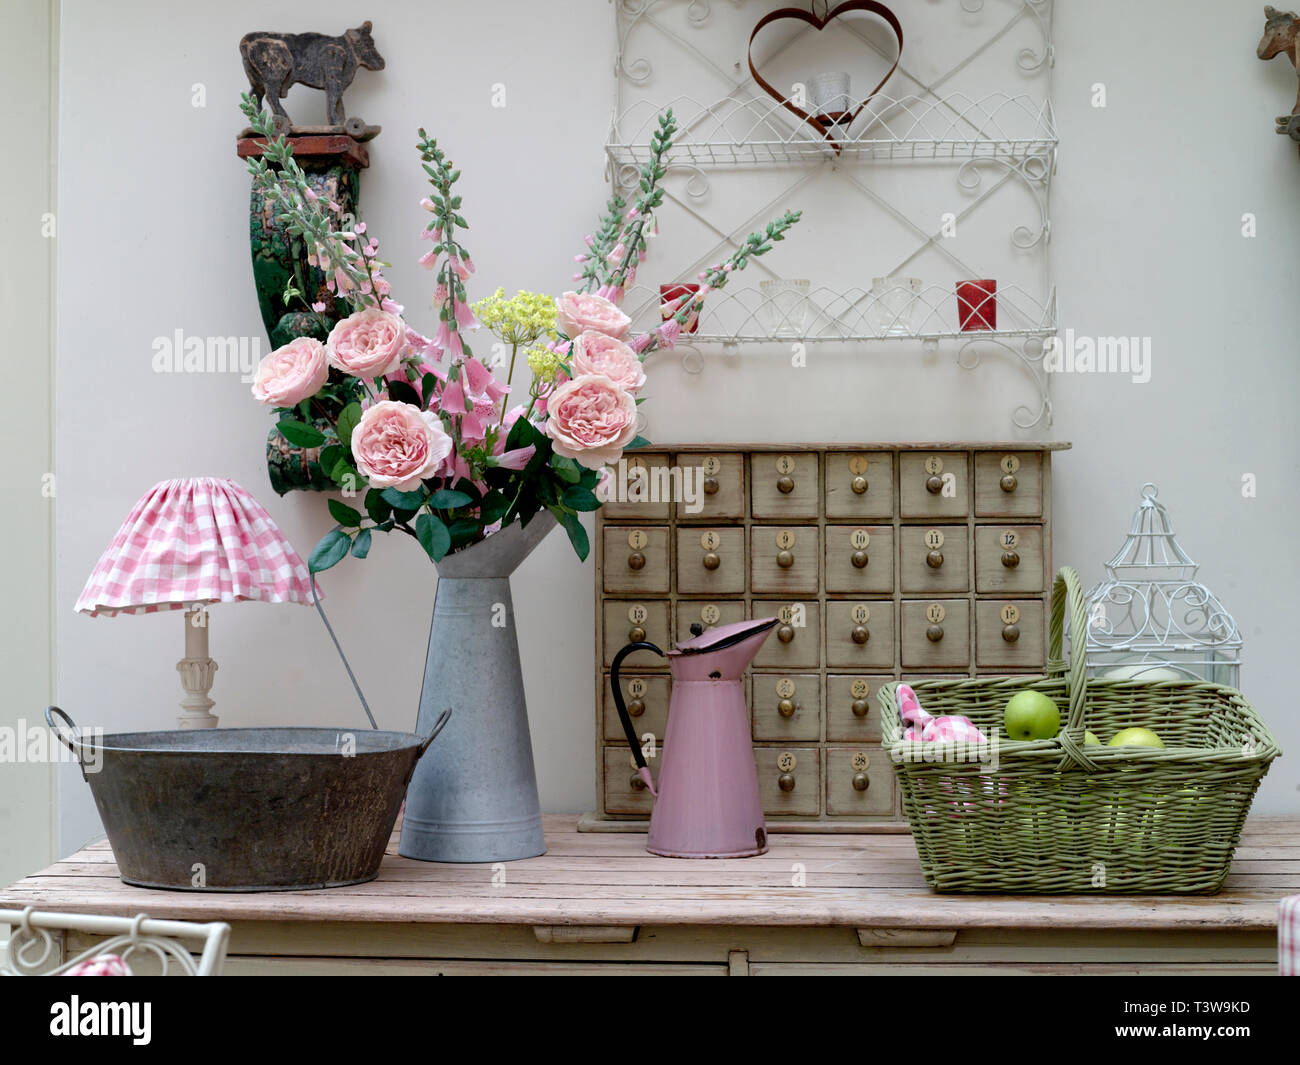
<point x="1135" y="737"/>
<point x="1031" y="715"/>
<point x="1090" y="739"/>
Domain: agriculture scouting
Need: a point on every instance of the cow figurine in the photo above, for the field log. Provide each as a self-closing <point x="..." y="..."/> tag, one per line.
<point x="276" y="61"/>
<point x="1280" y="33"/>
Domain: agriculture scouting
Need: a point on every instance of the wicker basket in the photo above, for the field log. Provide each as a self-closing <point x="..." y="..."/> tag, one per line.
<point x="1056" y="817"/>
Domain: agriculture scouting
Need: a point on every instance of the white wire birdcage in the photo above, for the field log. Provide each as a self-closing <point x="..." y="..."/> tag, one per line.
<point x="1151" y="619"/>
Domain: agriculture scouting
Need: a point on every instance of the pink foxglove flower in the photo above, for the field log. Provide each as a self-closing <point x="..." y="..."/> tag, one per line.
<point x="669" y="332"/>
<point x="590" y="419"/>
<point x="290" y="374"/>
<point x="367" y="344"/>
<point x="578" y="312"/>
<point x="476" y="396"/>
<point x="596" y="353"/>
<point x="397" y="445"/>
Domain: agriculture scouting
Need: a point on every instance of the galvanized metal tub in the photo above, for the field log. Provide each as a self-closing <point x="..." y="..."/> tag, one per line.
<point x="247" y="809"/>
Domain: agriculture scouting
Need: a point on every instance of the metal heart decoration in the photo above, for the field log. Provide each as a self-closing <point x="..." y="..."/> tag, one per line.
<point x="820" y="22"/>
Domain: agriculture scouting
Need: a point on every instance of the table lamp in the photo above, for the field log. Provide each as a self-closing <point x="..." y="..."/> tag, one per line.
<point x="187" y="543"/>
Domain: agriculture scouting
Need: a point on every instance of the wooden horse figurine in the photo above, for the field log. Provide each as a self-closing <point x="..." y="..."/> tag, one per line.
<point x="1280" y="32"/>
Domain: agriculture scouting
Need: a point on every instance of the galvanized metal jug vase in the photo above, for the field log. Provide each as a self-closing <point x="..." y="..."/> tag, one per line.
<point x="474" y="795"/>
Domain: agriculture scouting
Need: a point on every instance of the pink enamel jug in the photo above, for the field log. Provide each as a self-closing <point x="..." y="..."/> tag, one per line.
<point x="706" y="803"/>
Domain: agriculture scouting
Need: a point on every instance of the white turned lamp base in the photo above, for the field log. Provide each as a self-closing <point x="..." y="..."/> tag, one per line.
<point x="196" y="670"/>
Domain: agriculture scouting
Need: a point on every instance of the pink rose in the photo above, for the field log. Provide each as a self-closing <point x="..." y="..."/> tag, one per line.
<point x="591" y="419"/>
<point x="398" y="445"/>
<point x="580" y="311"/>
<point x="367" y="344"/>
<point x="290" y="374"/>
<point x="598" y="353"/>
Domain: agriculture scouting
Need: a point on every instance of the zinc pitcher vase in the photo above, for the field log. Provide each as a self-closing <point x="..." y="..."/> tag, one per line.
<point x="474" y="799"/>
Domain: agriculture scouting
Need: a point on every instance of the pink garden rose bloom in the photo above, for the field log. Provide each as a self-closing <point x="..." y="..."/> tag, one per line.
<point x="367" y="344"/>
<point x="598" y="353"/>
<point x="591" y="419"/>
<point x="397" y="445"/>
<point x="290" y="374"/>
<point x="580" y="311"/>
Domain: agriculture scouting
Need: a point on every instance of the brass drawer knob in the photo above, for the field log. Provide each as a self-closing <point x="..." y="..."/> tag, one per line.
<point x="785" y="782"/>
<point x="860" y="708"/>
<point x="636" y="560"/>
<point x="710" y="486"/>
<point x="861" y="782"/>
<point x="1011" y="633"/>
<point x="1010" y="559"/>
<point x="635" y="709"/>
<point x="934" y="559"/>
<point x="860" y="634"/>
<point x="785" y="633"/>
<point x="785" y="559"/>
<point x="636" y="782"/>
<point x="785" y="485"/>
<point x="786" y="708"/>
<point x="635" y="634"/>
<point x="934" y="633"/>
<point x="934" y="484"/>
<point x="859" y="485"/>
<point x="711" y="560"/>
<point x="860" y="559"/>
<point x="1008" y="483"/>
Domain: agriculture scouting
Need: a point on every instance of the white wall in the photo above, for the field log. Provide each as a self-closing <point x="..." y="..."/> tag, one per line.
<point x="153" y="238"/>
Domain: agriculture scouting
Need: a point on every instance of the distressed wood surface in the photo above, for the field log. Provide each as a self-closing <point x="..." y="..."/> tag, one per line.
<point x="598" y="879"/>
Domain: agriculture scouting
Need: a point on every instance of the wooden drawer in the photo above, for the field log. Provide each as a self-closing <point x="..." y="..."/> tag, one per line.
<point x="1026" y="651"/>
<point x="843" y="618"/>
<point x="624" y="790"/>
<point x="951" y="649"/>
<point x="995" y="545"/>
<point x="640" y="490"/>
<point x="770" y="474"/>
<point x="847" y="496"/>
<point x="696" y="547"/>
<point x="860" y="559"/>
<point x="946" y="497"/>
<point x="801" y="627"/>
<point x="721" y="479"/>
<point x="622" y="619"/>
<point x="799" y="769"/>
<point x="651" y="693"/>
<point x="707" y="614"/>
<point x="859" y="781"/>
<point x="636" y="559"/>
<point x="944" y="545"/>
<point x="852" y="712"/>
<point x="783" y="559"/>
<point x="786" y="706"/>
<point x="1022" y="496"/>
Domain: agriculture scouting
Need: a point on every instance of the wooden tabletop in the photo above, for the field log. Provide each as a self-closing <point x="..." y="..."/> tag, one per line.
<point x="607" y="879"/>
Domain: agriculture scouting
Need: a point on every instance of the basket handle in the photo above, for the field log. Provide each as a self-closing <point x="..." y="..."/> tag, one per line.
<point x="1067" y="594"/>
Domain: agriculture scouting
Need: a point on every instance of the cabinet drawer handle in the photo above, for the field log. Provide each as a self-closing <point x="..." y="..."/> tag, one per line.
<point x="860" y="559"/>
<point x="1011" y="633"/>
<point x="786" y="708"/>
<point x="785" y="485"/>
<point x="934" y="559"/>
<point x="1010" y="559"/>
<point x="934" y="484"/>
<point x="637" y="784"/>
<point x="861" y="634"/>
<point x="635" y="709"/>
<point x="785" y="782"/>
<point x="785" y="559"/>
<point x="636" y="560"/>
<point x="1008" y="483"/>
<point x="785" y="633"/>
<point x="934" y="633"/>
<point x="711" y="560"/>
<point x="710" y="486"/>
<point x="636" y="634"/>
<point x="860" y="707"/>
<point x="859" y="485"/>
<point x="861" y="782"/>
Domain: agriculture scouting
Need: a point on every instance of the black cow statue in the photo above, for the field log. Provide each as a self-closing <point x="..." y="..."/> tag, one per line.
<point x="276" y="61"/>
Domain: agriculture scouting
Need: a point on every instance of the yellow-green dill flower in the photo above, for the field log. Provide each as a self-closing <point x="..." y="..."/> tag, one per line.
<point x="544" y="364"/>
<point x="523" y="319"/>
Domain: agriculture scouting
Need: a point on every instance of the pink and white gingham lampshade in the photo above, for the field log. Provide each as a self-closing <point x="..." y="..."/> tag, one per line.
<point x="194" y="540"/>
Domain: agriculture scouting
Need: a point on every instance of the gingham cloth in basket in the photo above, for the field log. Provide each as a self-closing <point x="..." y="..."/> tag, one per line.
<point x="194" y="540"/>
<point x="1288" y="936"/>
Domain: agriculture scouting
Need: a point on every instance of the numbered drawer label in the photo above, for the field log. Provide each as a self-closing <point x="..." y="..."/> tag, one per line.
<point x="717" y="486"/>
<point x="789" y="780"/>
<point x="646" y="698"/>
<point x="860" y="635"/>
<point x="859" y="780"/>
<point x="633" y="621"/>
<point x="860" y="559"/>
<point x="933" y="484"/>
<point x="641" y="487"/>
<point x="936" y="634"/>
<point x="852" y="712"/>
<point x="860" y="485"/>
<point x="784" y="485"/>
<point x="625" y="791"/>
<point x="711" y="560"/>
<point x="796" y="640"/>
<point x="1008" y="483"/>
<point x="786" y="706"/>
<point x="783" y="559"/>
<point x="1009" y="634"/>
<point x="934" y="558"/>
<point x="635" y="558"/>
<point x="1009" y="559"/>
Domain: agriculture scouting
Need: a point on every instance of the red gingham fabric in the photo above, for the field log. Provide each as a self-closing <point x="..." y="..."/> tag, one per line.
<point x="104" y="965"/>
<point x="1288" y="936"/>
<point x="194" y="540"/>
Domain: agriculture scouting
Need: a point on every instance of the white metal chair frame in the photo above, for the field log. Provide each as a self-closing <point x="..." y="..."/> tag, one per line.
<point x="32" y="944"/>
